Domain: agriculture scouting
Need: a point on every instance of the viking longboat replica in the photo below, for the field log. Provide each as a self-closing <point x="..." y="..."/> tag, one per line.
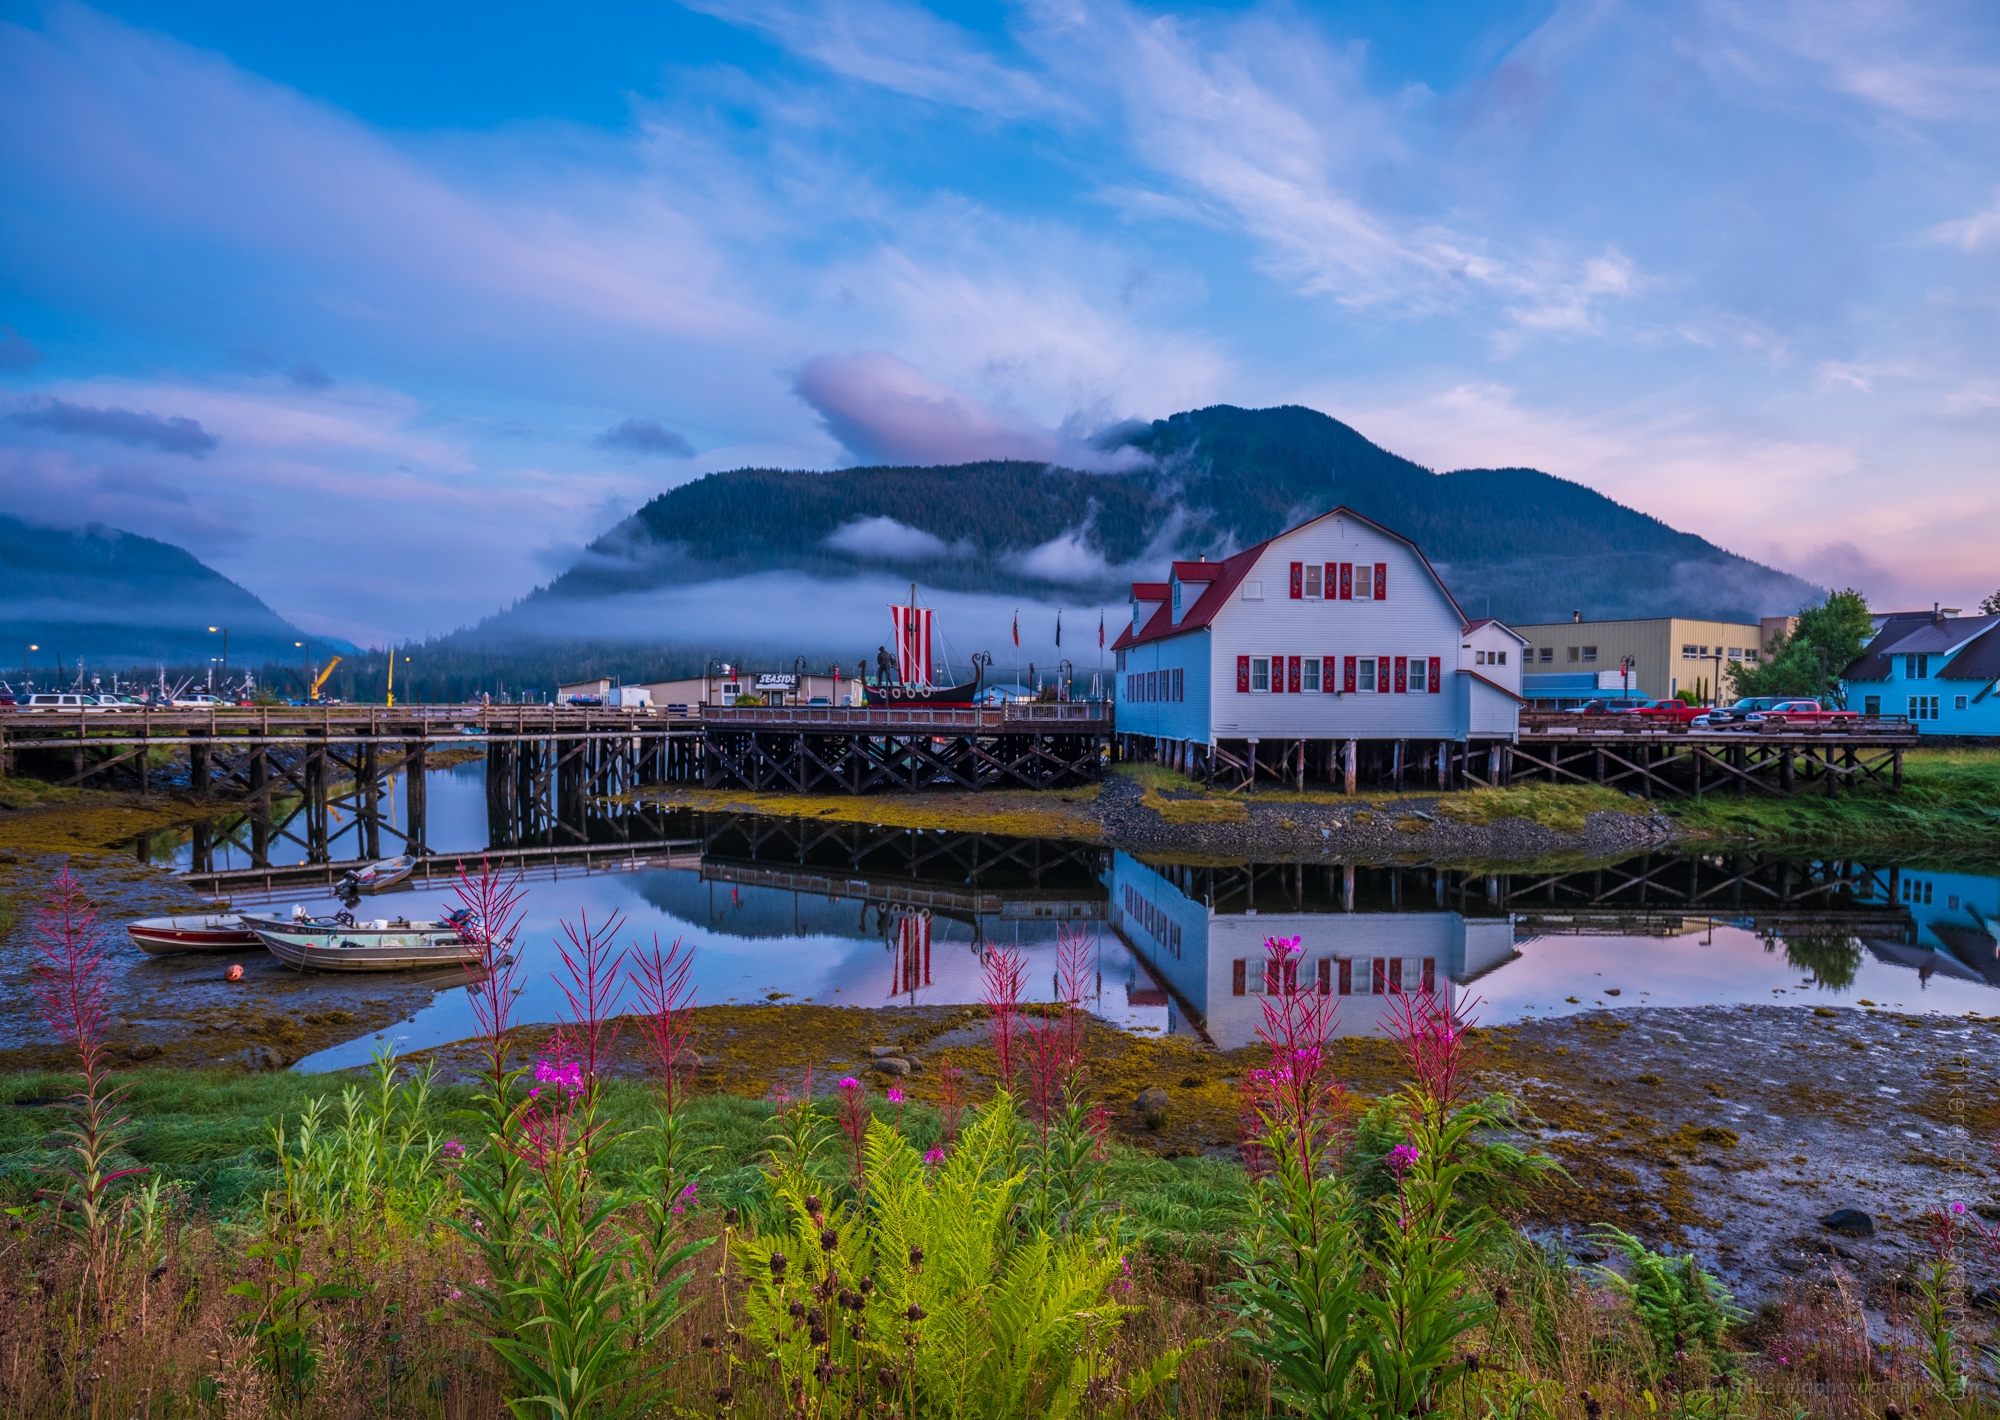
<point x="340" y="943"/>
<point x="217" y="932"/>
<point x="915" y="683"/>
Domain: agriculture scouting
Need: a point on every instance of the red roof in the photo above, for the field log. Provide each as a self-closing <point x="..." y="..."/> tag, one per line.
<point x="1226" y="576"/>
<point x="1197" y="571"/>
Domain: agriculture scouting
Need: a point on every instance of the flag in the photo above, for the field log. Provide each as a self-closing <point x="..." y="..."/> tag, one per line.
<point x="1059" y="626"/>
<point x="1100" y="628"/>
<point x="1017" y="628"/>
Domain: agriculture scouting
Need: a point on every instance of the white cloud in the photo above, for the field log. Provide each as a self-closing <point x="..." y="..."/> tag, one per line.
<point x="1067" y="557"/>
<point x="1969" y="233"/>
<point x="886" y="538"/>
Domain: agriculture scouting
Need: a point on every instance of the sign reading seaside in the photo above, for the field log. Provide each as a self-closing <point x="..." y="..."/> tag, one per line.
<point x="777" y="682"/>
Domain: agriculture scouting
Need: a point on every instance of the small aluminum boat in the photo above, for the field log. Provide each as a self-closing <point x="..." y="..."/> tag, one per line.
<point x="371" y="947"/>
<point x="217" y="932"/>
<point x="375" y="877"/>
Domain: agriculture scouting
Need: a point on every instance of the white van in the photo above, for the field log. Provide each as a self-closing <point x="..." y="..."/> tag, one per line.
<point x="54" y="703"/>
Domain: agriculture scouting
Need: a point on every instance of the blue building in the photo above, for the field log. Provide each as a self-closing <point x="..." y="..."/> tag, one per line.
<point x="1943" y="672"/>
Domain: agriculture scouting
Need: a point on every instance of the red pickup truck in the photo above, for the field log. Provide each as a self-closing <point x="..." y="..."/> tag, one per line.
<point x="1801" y="712"/>
<point x="1666" y="712"/>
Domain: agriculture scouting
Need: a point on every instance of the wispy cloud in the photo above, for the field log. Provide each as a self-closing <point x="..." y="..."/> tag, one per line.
<point x="17" y="352"/>
<point x="172" y="434"/>
<point x="645" y="436"/>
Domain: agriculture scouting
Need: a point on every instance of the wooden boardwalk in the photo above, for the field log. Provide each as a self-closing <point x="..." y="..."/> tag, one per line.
<point x="1622" y="752"/>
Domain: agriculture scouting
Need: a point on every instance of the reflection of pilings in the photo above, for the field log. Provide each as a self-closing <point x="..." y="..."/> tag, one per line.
<point x="260" y="801"/>
<point x="316" y="806"/>
<point x="371" y="803"/>
<point x="414" y="795"/>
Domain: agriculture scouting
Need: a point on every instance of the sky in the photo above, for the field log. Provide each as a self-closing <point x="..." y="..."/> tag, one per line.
<point x="386" y="310"/>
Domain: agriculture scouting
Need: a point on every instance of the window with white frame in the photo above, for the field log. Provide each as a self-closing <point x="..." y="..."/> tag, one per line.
<point x="1691" y="653"/>
<point x="1253" y="591"/>
<point x="1958" y="702"/>
<point x="1260" y="672"/>
<point x="1309" y="674"/>
<point x="1589" y="655"/>
<point x="1177" y="594"/>
<point x="1548" y="655"/>
<point x="1364" y="582"/>
<point x="1365" y="672"/>
<point x="1312" y="579"/>
<point x="1419" y="669"/>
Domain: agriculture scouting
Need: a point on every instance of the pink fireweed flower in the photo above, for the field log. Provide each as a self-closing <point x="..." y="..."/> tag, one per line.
<point x="1957" y="1208"/>
<point x="895" y="1095"/>
<point x="1403" y="1158"/>
<point x="850" y="1084"/>
<point x="934" y="1157"/>
<point x="454" y="1152"/>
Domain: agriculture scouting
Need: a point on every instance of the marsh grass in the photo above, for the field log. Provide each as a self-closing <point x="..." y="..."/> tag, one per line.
<point x="1950" y="803"/>
<point x="1565" y="808"/>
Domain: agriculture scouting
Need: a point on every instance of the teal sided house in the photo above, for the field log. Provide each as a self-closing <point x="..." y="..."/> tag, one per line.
<point x="1943" y="672"/>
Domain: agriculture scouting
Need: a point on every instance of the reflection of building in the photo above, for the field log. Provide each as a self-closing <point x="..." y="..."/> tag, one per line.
<point x="1201" y="933"/>
<point x="1955" y="920"/>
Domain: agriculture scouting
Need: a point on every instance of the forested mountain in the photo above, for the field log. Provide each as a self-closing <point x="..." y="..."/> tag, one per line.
<point x="117" y="600"/>
<point x="1513" y="543"/>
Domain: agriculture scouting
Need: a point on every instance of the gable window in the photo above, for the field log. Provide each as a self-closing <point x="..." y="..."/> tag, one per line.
<point x="1253" y="591"/>
<point x="1364" y="582"/>
<point x="1177" y="594"/>
<point x="1312" y="581"/>
<point x="1260" y="673"/>
<point x="1309" y="676"/>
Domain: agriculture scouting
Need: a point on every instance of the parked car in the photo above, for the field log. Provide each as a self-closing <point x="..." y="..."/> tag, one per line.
<point x="1802" y="712"/>
<point x="50" y="702"/>
<point x="1723" y="716"/>
<point x="1676" y="713"/>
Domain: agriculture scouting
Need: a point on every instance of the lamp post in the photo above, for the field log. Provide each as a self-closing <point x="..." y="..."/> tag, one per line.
<point x="25" y="682"/>
<point x="307" y="648"/>
<point x="225" y="648"/>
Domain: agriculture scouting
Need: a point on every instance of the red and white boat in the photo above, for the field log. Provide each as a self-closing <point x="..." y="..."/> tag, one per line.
<point x="218" y="932"/>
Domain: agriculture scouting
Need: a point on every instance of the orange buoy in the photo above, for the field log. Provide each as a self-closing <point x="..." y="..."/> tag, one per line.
<point x="235" y="973"/>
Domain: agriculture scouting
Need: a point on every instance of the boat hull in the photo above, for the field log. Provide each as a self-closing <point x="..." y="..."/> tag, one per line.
<point x="168" y="936"/>
<point x="368" y="951"/>
<point x="379" y="876"/>
<point x="880" y="696"/>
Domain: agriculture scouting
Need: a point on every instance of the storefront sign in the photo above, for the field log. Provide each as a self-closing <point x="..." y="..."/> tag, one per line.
<point x="777" y="682"/>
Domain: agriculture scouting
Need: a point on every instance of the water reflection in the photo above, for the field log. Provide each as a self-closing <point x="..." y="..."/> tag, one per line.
<point x="812" y="910"/>
<point x="1657" y="930"/>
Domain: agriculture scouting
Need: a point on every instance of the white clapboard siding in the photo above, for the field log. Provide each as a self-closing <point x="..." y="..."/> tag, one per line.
<point x="1416" y="619"/>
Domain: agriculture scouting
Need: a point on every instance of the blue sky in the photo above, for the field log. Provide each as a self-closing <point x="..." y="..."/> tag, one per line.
<point x="385" y="311"/>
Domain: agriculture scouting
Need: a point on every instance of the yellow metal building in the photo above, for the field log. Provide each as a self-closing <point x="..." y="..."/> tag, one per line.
<point x="1667" y="654"/>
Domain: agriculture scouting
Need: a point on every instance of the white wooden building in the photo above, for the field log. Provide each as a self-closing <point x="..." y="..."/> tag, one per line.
<point x="1333" y="651"/>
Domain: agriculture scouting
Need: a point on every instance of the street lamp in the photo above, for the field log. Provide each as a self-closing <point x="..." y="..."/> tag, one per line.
<point x="25" y="682"/>
<point x="225" y="648"/>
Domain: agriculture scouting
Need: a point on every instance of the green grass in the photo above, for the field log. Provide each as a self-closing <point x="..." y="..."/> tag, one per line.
<point x="209" y="1132"/>
<point x="1950" y="804"/>
<point x="1563" y="807"/>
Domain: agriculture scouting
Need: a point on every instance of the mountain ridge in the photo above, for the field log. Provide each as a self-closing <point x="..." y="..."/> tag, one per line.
<point x="1511" y="542"/>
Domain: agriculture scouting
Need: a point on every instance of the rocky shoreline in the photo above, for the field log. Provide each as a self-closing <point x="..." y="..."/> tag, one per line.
<point x="1364" y="829"/>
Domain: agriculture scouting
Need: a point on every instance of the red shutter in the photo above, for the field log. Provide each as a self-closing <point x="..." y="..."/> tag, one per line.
<point x="1238" y="976"/>
<point x="1329" y="587"/>
<point x="1347" y="675"/>
<point x="1326" y="976"/>
<point x="1298" y="580"/>
<point x="1379" y="977"/>
<point x="1436" y="668"/>
<point x="1243" y="673"/>
<point x="1430" y="975"/>
<point x="1381" y="581"/>
<point x="1292" y="674"/>
<point x="1329" y="674"/>
<point x="1347" y="581"/>
<point x="1402" y="675"/>
<point x="1271" y="984"/>
<point x="1346" y="976"/>
<point x="1385" y="675"/>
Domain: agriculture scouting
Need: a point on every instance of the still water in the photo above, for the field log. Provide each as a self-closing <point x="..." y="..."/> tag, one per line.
<point x="849" y="914"/>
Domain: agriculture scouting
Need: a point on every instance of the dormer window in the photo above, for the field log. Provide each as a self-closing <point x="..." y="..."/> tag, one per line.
<point x="1135" y="617"/>
<point x="1177" y="598"/>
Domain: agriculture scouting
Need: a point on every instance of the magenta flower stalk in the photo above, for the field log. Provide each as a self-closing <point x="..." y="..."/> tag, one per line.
<point x="592" y="984"/>
<point x="490" y="912"/>
<point x="854" y="1124"/>
<point x="951" y="1098"/>
<point x="1006" y="974"/>
<point x="665" y="998"/>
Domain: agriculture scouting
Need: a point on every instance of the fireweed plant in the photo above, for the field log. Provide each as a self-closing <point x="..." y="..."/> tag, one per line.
<point x="69" y="988"/>
<point x="1357" y="1307"/>
<point x="572" y="1301"/>
<point x="1066" y="1152"/>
